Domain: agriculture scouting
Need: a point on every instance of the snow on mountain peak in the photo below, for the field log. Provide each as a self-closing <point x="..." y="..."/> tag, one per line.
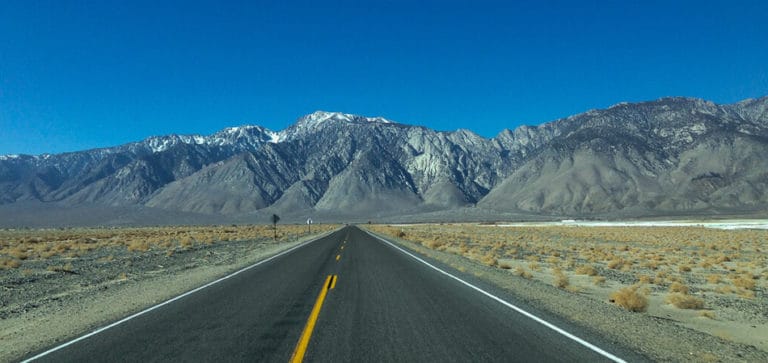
<point x="9" y="156"/>
<point x="318" y="118"/>
<point x="246" y="135"/>
<point x="275" y="137"/>
<point x="162" y="143"/>
<point x="240" y="130"/>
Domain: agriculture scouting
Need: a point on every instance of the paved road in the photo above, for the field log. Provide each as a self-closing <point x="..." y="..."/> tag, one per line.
<point x="385" y="306"/>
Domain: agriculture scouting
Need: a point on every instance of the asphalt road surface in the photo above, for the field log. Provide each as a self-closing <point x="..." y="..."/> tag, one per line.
<point x="385" y="306"/>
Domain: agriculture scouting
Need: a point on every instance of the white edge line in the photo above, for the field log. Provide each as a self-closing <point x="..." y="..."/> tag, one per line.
<point x="509" y="305"/>
<point x="99" y="330"/>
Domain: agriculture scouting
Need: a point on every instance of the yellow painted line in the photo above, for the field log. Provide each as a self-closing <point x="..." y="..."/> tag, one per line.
<point x="301" y="347"/>
<point x="333" y="281"/>
<point x="338" y="257"/>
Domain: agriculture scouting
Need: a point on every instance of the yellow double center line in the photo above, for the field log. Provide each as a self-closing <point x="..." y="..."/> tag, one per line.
<point x="301" y="347"/>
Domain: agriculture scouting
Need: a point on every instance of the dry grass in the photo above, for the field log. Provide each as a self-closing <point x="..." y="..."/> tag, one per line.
<point x="713" y="278"/>
<point x="678" y="287"/>
<point x="630" y="298"/>
<point x="61" y="268"/>
<point x="588" y="270"/>
<point x="138" y="246"/>
<point x="644" y="279"/>
<point x="20" y="245"/>
<point x="561" y="280"/>
<point x="9" y="263"/>
<point x="520" y="271"/>
<point x="744" y="281"/>
<point x="489" y="260"/>
<point x="684" y="301"/>
<point x="725" y="262"/>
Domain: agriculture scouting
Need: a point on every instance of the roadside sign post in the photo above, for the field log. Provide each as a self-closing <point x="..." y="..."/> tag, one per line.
<point x="275" y="219"/>
<point x="309" y="225"/>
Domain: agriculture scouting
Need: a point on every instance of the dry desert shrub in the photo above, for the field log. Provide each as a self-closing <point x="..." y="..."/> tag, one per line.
<point x="744" y="281"/>
<point x="678" y="287"/>
<point x="588" y="270"/>
<point x="713" y="278"/>
<point x="561" y="280"/>
<point x="62" y="268"/>
<point x="598" y="280"/>
<point x="747" y="294"/>
<point x="644" y="279"/>
<point x="489" y="260"/>
<point x="520" y="271"/>
<point x="9" y="263"/>
<point x="725" y="289"/>
<point x="630" y="299"/>
<point x="19" y="253"/>
<point x="684" y="301"/>
<point x="709" y="314"/>
<point x="615" y="264"/>
<point x="690" y="256"/>
<point x="434" y="244"/>
<point x="505" y="265"/>
<point x="185" y="243"/>
<point x="138" y="246"/>
<point x="533" y="258"/>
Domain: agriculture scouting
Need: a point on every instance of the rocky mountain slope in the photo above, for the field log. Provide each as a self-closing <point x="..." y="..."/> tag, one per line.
<point x="669" y="156"/>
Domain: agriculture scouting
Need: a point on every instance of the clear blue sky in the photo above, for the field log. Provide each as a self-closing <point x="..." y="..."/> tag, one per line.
<point x="84" y="74"/>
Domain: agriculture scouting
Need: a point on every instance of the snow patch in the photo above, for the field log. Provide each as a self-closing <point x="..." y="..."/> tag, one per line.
<point x="320" y="117"/>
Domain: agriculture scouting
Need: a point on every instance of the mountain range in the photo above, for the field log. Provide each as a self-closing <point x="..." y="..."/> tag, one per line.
<point x="669" y="157"/>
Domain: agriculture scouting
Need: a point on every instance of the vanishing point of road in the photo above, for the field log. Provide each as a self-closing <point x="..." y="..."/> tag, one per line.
<point x="346" y="297"/>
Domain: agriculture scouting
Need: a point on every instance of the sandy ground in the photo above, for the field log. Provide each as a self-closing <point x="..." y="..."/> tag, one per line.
<point x="728" y="328"/>
<point x="39" y="307"/>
